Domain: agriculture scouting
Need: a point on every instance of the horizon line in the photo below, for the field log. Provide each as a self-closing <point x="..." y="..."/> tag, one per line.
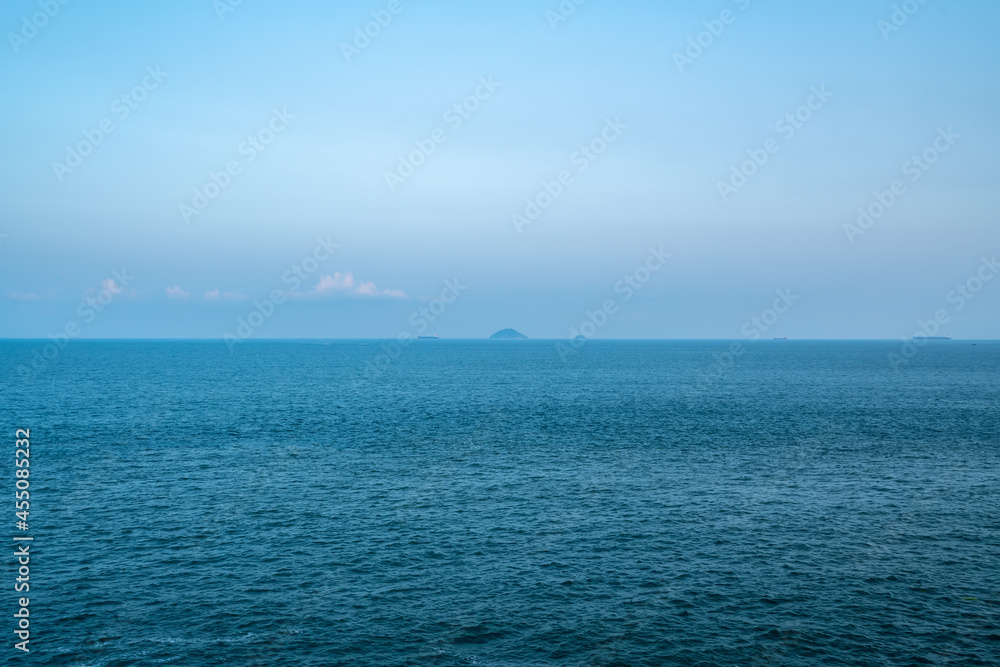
<point x="515" y="340"/>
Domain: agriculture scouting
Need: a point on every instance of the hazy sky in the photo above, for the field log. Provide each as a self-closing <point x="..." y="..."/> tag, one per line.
<point x="309" y="115"/>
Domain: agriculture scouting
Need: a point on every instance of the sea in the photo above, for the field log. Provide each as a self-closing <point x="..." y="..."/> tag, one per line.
<point x="505" y="503"/>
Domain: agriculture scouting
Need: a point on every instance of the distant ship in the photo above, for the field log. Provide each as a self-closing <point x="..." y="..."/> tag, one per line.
<point x="428" y="337"/>
<point x="780" y="339"/>
<point x="939" y="338"/>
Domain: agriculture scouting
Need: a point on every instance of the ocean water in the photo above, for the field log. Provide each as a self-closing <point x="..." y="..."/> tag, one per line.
<point x="490" y="503"/>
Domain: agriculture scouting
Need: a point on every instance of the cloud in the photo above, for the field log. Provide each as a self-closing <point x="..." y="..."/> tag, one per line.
<point x="176" y="292"/>
<point x="345" y="284"/>
<point x="24" y="296"/>
<point x="335" y="283"/>
<point x="338" y="284"/>
<point x="110" y="285"/>
<point x="216" y="294"/>
<point x="367" y="289"/>
<point x="32" y="296"/>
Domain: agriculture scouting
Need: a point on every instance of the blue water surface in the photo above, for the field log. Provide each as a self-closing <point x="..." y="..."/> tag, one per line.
<point x="496" y="503"/>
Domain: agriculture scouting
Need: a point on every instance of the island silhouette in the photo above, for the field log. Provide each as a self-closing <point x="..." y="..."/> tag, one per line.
<point x="508" y="334"/>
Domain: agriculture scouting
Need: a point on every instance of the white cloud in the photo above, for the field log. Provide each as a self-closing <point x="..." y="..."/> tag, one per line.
<point x="367" y="289"/>
<point x="216" y="294"/>
<point x="176" y="292"/>
<point x="345" y="284"/>
<point x="335" y="283"/>
<point x="338" y="284"/>
<point x="32" y="296"/>
<point x="24" y="296"/>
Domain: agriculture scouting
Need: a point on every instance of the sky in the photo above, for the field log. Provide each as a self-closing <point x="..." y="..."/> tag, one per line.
<point x="657" y="169"/>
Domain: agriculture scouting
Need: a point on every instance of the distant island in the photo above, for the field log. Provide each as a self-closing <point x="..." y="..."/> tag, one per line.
<point x="508" y="334"/>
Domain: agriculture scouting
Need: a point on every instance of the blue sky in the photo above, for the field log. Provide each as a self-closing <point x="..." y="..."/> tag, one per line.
<point x="226" y="76"/>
